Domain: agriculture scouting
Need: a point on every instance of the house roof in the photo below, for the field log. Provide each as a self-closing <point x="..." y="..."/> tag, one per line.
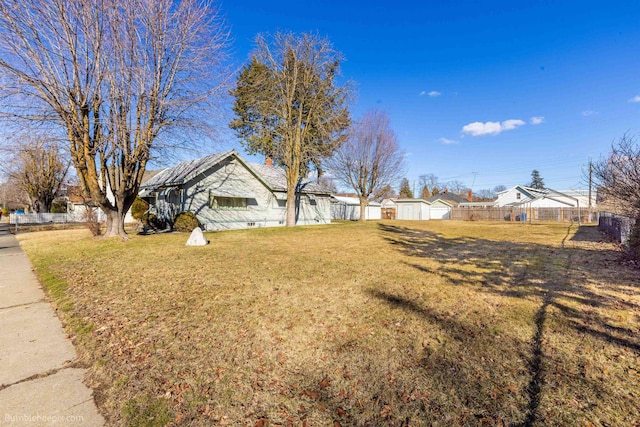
<point x="413" y="201"/>
<point x="277" y="180"/>
<point x="273" y="177"/>
<point x="533" y="194"/>
<point x="448" y="197"/>
<point x="185" y="171"/>
<point x="449" y="203"/>
<point x="148" y="174"/>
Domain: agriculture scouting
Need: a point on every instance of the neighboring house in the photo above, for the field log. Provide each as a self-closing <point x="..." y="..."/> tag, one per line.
<point x="348" y="208"/>
<point x="388" y="208"/>
<point x="583" y="197"/>
<point x="441" y="204"/>
<point x="82" y="210"/>
<point x="227" y="192"/>
<point x="413" y="209"/>
<point x="522" y="196"/>
<point x="79" y="209"/>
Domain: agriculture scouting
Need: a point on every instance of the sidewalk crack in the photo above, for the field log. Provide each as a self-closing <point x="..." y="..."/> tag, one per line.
<point x="23" y="305"/>
<point x="46" y="374"/>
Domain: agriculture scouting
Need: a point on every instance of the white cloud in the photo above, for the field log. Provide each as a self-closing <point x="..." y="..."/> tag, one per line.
<point x="512" y="124"/>
<point x="491" y="128"/>
<point x="635" y="99"/>
<point x="423" y="93"/>
<point x="434" y="93"/>
<point x="447" y="141"/>
<point x="587" y="113"/>
<point x="536" y="120"/>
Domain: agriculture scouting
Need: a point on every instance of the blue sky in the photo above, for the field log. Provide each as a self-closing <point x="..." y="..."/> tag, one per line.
<point x="479" y="91"/>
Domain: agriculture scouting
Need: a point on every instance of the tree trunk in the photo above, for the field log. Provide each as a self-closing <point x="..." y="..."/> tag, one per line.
<point x="115" y="224"/>
<point x="363" y="208"/>
<point x="291" y="208"/>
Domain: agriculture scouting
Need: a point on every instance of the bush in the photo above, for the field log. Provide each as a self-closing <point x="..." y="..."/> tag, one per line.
<point x="59" y="206"/>
<point x="151" y="221"/>
<point x="90" y="218"/>
<point x="186" y="222"/>
<point x="138" y="208"/>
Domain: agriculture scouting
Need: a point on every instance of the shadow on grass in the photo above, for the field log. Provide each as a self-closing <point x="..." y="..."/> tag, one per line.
<point x="554" y="275"/>
<point x="589" y="233"/>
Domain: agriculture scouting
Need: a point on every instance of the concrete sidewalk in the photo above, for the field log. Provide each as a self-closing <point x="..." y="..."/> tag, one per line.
<point x="37" y="385"/>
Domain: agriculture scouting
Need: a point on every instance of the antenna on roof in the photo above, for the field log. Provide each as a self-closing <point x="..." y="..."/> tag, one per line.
<point x="475" y="174"/>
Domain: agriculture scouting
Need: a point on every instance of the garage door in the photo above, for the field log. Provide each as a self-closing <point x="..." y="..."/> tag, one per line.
<point x="439" y="213"/>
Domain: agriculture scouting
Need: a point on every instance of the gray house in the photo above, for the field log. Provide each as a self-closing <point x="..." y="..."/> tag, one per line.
<point x="227" y="192"/>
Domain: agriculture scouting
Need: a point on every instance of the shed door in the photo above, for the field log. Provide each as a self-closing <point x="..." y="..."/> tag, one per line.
<point x="408" y="211"/>
<point x="439" y="212"/>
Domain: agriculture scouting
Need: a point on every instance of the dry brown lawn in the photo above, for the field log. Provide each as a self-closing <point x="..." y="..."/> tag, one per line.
<point x="383" y="323"/>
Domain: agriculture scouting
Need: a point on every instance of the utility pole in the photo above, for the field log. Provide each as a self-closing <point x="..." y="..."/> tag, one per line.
<point x="590" y="180"/>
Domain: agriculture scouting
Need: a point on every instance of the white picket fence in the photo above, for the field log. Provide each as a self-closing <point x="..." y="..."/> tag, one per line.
<point x="52" y="218"/>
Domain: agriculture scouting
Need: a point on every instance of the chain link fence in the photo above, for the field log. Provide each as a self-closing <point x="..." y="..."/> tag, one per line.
<point x="617" y="226"/>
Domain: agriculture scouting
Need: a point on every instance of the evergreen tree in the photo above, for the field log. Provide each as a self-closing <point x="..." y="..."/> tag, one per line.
<point x="536" y="180"/>
<point x="405" y="189"/>
<point x="289" y="106"/>
<point x="425" y="194"/>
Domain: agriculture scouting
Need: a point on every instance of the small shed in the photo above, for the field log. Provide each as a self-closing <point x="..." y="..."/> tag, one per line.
<point x="413" y="209"/>
<point x="440" y="209"/>
<point x="348" y="208"/>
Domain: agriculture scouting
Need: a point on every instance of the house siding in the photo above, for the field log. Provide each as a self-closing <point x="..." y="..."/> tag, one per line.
<point x="230" y="178"/>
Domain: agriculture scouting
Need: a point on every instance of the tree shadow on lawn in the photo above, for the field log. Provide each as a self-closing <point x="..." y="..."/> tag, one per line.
<point x="554" y="275"/>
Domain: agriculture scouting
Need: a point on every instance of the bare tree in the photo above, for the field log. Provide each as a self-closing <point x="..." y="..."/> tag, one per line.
<point x="428" y="180"/>
<point x="112" y="76"/>
<point x="618" y="175"/>
<point x="289" y="107"/>
<point x="484" y="195"/>
<point x="457" y="187"/>
<point x="387" y="192"/>
<point x="499" y="188"/>
<point x="13" y="196"/>
<point x="40" y="169"/>
<point x="328" y="184"/>
<point x="370" y="160"/>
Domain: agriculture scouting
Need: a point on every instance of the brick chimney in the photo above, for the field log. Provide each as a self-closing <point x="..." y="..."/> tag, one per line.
<point x="268" y="161"/>
<point x="470" y="196"/>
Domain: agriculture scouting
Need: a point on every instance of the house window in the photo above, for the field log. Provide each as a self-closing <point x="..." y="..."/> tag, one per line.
<point x="282" y="203"/>
<point x="518" y="196"/>
<point x="232" y="203"/>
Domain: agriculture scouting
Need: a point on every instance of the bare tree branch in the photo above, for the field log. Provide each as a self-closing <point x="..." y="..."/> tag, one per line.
<point x="114" y="76"/>
<point x="370" y="160"/>
<point x="40" y="169"/>
<point x="618" y="176"/>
